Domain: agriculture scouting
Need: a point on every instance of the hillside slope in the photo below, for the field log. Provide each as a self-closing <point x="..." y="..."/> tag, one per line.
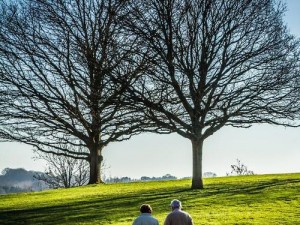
<point x="259" y="199"/>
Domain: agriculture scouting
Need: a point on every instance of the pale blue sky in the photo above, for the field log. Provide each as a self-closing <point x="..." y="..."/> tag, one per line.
<point x="263" y="148"/>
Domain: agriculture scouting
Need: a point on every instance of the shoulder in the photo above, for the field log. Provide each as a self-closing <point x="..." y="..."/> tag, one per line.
<point x="144" y="218"/>
<point x="187" y="215"/>
<point x="154" y="219"/>
<point x="151" y="220"/>
<point x="170" y="214"/>
<point x="137" y="219"/>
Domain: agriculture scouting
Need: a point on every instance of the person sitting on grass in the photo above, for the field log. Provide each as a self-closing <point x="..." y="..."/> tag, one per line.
<point x="177" y="216"/>
<point x="145" y="218"/>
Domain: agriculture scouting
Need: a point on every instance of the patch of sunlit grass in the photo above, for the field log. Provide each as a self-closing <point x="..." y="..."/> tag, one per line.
<point x="260" y="199"/>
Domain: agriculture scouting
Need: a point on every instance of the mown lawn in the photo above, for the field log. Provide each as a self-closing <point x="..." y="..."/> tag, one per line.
<point x="259" y="199"/>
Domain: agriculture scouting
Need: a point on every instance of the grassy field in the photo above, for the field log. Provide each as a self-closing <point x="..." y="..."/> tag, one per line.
<point x="259" y="199"/>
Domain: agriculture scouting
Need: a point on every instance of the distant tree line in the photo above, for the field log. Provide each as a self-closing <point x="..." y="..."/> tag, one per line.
<point x="12" y="189"/>
<point x="20" y="180"/>
<point x="143" y="178"/>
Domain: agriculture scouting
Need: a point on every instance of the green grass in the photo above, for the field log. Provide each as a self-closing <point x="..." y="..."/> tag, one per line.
<point x="260" y="199"/>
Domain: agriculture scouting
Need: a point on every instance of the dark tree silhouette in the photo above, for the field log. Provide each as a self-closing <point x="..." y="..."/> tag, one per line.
<point x="59" y="61"/>
<point x="215" y="64"/>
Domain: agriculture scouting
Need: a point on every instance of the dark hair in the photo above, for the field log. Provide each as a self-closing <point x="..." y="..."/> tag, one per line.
<point x="145" y="208"/>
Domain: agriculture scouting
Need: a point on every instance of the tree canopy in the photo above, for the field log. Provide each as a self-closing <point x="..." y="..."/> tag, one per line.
<point x="59" y="61"/>
<point x="216" y="63"/>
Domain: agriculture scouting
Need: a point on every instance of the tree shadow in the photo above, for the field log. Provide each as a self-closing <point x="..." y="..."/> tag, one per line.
<point x="106" y="209"/>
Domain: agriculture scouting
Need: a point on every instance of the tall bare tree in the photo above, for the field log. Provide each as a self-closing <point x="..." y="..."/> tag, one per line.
<point x="59" y="60"/>
<point x="216" y="63"/>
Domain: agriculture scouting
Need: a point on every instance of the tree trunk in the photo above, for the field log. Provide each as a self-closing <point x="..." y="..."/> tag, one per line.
<point x="95" y="166"/>
<point x="197" y="182"/>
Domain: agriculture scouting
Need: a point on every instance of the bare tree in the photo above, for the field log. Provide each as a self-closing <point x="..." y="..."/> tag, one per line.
<point x="64" y="172"/>
<point x="240" y="169"/>
<point x="216" y="63"/>
<point x="59" y="60"/>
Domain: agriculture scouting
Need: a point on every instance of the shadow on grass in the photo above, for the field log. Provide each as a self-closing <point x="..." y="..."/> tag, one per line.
<point x="124" y="208"/>
<point x="248" y="188"/>
<point x="106" y="210"/>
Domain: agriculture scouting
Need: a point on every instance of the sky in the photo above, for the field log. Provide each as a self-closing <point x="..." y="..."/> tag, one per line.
<point x="264" y="149"/>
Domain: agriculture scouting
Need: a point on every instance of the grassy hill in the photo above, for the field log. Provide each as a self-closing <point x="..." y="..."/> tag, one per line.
<point x="259" y="199"/>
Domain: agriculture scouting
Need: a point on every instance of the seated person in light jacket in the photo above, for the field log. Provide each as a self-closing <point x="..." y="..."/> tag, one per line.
<point x="145" y="218"/>
<point x="178" y="216"/>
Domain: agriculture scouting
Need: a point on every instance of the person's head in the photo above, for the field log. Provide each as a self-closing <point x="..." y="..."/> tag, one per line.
<point x="145" y="208"/>
<point x="175" y="204"/>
